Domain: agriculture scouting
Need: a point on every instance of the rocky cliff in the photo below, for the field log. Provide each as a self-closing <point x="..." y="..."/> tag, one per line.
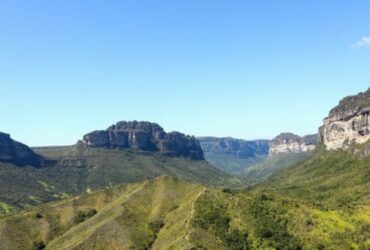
<point x="291" y="143"/>
<point x="236" y="147"/>
<point x="347" y="123"/>
<point x="145" y="136"/>
<point x="231" y="155"/>
<point x="17" y="153"/>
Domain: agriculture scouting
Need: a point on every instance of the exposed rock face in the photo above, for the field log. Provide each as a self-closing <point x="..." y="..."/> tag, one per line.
<point x="17" y="153"/>
<point x="234" y="147"/>
<point x="347" y="123"/>
<point x="291" y="143"/>
<point x="145" y="136"/>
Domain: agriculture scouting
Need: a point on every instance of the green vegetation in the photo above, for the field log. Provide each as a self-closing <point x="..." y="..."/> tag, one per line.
<point x="168" y="213"/>
<point x="273" y="164"/>
<point x="319" y="202"/>
<point x="233" y="164"/>
<point x="333" y="179"/>
<point x="78" y="169"/>
<point x="133" y="216"/>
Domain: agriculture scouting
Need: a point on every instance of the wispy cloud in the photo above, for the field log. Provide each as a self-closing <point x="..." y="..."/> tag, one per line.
<point x="363" y="42"/>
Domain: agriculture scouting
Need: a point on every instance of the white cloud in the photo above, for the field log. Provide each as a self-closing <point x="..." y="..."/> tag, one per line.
<point x="363" y="42"/>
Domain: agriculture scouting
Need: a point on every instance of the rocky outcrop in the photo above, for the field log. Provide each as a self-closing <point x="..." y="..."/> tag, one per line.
<point x="291" y="143"/>
<point x="145" y="136"/>
<point x="17" y="153"/>
<point x="234" y="147"/>
<point x="347" y="123"/>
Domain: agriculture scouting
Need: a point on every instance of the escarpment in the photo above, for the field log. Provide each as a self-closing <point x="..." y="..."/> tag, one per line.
<point x="291" y="143"/>
<point x="145" y="136"/>
<point x="347" y="123"/>
<point x="17" y="153"/>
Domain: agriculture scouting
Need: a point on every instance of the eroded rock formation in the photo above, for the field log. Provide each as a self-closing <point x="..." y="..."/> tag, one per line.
<point x="17" y="153"/>
<point x="145" y="136"/>
<point x="291" y="143"/>
<point x="236" y="147"/>
<point x="347" y="123"/>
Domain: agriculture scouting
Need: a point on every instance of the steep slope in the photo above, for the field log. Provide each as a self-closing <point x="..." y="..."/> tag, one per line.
<point x="167" y="213"/>
<point x="144" y="136"/>
<point x="335" y="179"/>
<point x="348" y="122"/>
<point x="291" y="143"/>
<point x="17" y="153"/>
<point x="285" y="150"/>
<point x="79" y="169"/>
<point x="124" y="217"/>
<point x="272" y="165"/>
<point x="233" y="155"/>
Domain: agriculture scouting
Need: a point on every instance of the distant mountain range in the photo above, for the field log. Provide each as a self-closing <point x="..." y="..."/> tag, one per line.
<point x="233" y="155"/>
<point x="307" y="192"/>
<point x="125" y="152"/>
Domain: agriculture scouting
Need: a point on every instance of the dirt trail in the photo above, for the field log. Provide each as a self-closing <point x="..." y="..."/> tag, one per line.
<point x="188" y="229"/>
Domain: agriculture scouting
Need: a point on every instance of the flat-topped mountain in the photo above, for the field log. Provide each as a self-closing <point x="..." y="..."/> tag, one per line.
<point x="347" y="123"/>
<point x="291" y="143"/>
<point x="17" y="153"/>
<point x="145" y="136"/>
<point x="232" y="146"/>
<point x="233" y="155"/>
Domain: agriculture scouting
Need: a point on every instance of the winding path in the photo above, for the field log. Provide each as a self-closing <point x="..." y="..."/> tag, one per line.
<point x="187" y="237"/>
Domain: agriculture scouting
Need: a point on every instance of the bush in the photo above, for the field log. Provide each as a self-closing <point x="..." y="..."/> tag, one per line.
<point x="39" y="245"/>
<point x="84" y="215"/>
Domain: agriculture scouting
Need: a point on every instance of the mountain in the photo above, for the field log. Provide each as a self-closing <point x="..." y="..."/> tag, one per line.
<point x="17" y="153"/>
<point x="72" y="170"/>
<point x="285" y="150"/>
<point x="272" y="165"/>
<point x="168" y="213"/>
<point x="291" y="143"/>
<point x="337" y="173"/>
<point x="335" y="178"/>
<point x="347" y="123"/>
<point x="145" y="136"/>
<point x="233" y="155"/>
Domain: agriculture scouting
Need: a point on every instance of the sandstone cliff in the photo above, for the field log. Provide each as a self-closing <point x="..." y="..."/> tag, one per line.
<point x="145" y="136"/>
<point x="347" y="123"/>
<point x="17" y="153"/>
<point x="232" y="155"/>
<point x="291" y="143"/>
<point x="236" y="147"/>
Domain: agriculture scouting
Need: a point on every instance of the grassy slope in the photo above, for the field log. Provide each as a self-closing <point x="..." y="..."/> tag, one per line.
<point x="335" y="186"/>
<point x="271" y="166"/>
<point x="130" y="216"/>
<point x="232" y="164"/>
<point x="168" y="213"/>
<point x="81" y="170"/>
<point x="335" y="179"/>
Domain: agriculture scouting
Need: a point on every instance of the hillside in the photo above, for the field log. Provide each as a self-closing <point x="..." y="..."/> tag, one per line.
<point x="17" y="153"/>
<point x="168" y="213"/>
<point x="333" y="179"/>
<point x="231" y="155"/>
<point x="272" y="165"/>
<point x="78" y="169"/>
<point x="285" y="150"/>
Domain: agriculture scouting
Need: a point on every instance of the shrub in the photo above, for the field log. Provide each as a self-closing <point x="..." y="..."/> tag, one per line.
<point x="84" y="215"/>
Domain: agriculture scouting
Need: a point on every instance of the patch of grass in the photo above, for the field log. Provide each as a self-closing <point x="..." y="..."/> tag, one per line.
<point x="77" y="170"/>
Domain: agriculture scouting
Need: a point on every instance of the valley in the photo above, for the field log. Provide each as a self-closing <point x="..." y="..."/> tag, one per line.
<point x="134" y="186"/>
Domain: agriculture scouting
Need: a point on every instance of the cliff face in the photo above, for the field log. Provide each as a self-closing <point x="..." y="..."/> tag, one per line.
<point x="231" y="155"/>
<point x="17" y="153"/>
<point x="234" y="147"/>
<point x="347" y="123"/>
<point x="291" y="143"/>
<point x="145" y="136"/>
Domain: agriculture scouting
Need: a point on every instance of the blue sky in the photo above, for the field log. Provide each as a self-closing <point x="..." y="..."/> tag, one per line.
<point x="247" y="69"/>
